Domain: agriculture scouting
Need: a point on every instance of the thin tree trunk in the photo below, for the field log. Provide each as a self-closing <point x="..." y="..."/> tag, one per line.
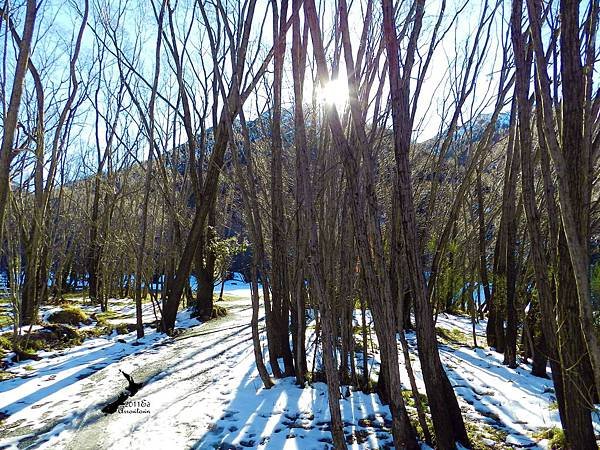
<point x="10" y="120"/>
<point x="258" y="356"/>
<point x="447" y="419"/>
<point x="483" y="269"/>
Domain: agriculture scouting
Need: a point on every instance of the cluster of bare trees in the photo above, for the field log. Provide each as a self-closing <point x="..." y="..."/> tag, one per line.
<point x="565" y="158"/>
<point x="132" y="148"/>
<point x="111" y="172"/>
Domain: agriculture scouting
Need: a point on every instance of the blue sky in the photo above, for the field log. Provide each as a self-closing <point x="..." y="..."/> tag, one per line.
<point x="59" y="20"/>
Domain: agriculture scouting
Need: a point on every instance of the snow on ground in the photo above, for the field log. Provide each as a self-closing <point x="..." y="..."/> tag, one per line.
<point x="201" y="390"/>
<point x="51" y="387"/>
<point x="122" y="310"/>
<point x="511" y="400"/>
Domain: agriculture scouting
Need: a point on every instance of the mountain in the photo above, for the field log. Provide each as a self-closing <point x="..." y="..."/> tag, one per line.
<point x="470" y="133"/>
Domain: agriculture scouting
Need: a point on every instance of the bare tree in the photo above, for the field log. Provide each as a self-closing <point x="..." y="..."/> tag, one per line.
<point x="7" y="151"/>
<point x="448" y="423"/>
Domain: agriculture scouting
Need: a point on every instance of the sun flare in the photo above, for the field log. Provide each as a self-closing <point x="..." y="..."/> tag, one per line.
<point x="335" y="92"/>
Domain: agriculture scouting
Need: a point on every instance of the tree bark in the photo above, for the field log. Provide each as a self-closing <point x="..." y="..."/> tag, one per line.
<point x="564" y="342"/>
<point x="445" y="412"/>
<point x="10" y="120"/>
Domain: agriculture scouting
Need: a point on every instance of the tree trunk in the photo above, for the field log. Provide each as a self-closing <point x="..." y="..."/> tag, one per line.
<point x="279" y="274"/>
<point x="258" y="356"/>
<point x="12" y="114"/>
<point x="483" y="269"/>
<point x="564" y="339"/>
<point x="205" y="270"/>
<point x="445" y="412"/>
<point x="577" y="378"/>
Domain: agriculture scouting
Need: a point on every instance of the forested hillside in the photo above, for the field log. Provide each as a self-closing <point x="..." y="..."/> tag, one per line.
<point x="299" y="224"/>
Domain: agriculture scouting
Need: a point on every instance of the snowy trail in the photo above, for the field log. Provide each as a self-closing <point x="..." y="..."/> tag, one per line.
<point x="174" y="379"/>
<point x="71" y="414"/>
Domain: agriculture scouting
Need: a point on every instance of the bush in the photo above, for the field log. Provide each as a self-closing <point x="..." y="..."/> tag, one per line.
<point x="54" y="336"/>
<point x="218" y="311"/>
<point x="558" y="440"/>
<point x="3" y="377"/>
<point x="125" y="328"/>
<point x="51" y="336"/>
<point x="478" y="431"/>
<point x="104" y="328"/>
<point x="70" y="315"/>
<point x="409" y="399"/>
<point x="453" y="336"/>
<point x="5" y="343"/>
<point x="36" y="341"/>
<point x="556" y="437"/>
<point x="35" y="344"/>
